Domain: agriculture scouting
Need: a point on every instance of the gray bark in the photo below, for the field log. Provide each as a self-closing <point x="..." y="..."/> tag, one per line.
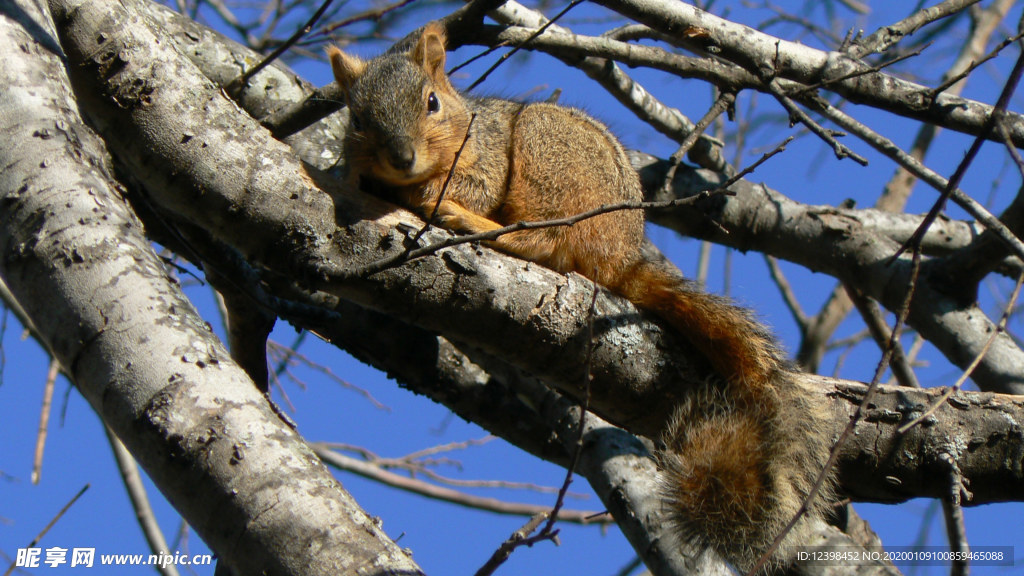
<point x="76" y="259"/>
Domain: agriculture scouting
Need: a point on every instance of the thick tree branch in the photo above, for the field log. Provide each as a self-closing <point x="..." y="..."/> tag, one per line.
<point x="980" y="431"/>
<point x="74" y="256"/>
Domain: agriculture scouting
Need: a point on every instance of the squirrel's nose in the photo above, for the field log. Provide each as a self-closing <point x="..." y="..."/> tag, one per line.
<point x="402" y="157"/>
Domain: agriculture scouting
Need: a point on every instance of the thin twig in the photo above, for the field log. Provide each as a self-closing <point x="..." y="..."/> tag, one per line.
<point x="291" y="354"/>
<point x="375" y="14"/>
<point x="237" y="84"/>
<point x="44" y="419"/>
<point x="476" y="57"/>
<point x="503" y="484"/>
<point x="872" y="317"/>
<point x="447" y="180"/>
<point x="519" y="47"/>
<point x="404" y="482"/>
<point x="934" y="93"/>
<point x="449" y="447"/>
<point x="829" y="136"/>
<point x="851" y="340"/>
<point x="49" y="525"/>
<point x="954" y="181"/>
<point x="953" y="509"/>
<point x="724" y="102"/>
<point x="508" y="546"/>
<point x="140" y="502"/>
<point x="415" y="463"/>
<point x="910" y="357"/>
<point x="288" y="352"/>
<point x="788" y="296"/>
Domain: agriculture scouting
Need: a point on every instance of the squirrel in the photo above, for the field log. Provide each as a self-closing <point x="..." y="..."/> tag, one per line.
<point x="742" y="453"/>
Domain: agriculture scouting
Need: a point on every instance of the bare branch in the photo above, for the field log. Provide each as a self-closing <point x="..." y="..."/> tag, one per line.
<point x="974" y="364"/>
<point x="951" y="505"/>
<point x="788" y="296"/>
<point x="368" y="470"/>
<point x="140" y="501"/>
<point x="49" y="525"/>
<point x="829" y="136"/>
<point x="886" y="36"/>
<point x="44" y="419"/>
<point x="888" y="148"/>
<point x="872" y="316"/>
<point x="518" y="538"/>
<point x="767" y="57"/>
<point x="627" y="91"/>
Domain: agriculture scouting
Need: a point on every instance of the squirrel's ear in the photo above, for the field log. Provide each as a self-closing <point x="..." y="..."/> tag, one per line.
<point x="347" y="69"/>
<point x="429" y="51"/>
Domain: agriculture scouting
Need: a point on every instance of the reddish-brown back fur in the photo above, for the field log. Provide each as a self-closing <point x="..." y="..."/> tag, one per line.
<point x="573" y="169"/>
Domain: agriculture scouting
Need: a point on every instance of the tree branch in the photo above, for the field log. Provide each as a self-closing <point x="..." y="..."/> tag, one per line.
<point x="768" y="57"/>
<point x="762" y="219"/>
<point x="75" y="258"/>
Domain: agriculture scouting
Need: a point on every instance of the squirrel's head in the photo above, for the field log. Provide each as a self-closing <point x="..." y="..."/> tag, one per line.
<point x="406" y="119"/>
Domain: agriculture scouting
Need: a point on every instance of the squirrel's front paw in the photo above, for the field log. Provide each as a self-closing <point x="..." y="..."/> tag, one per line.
<point x="451" y="222"/>
<point x="465" y="222"/>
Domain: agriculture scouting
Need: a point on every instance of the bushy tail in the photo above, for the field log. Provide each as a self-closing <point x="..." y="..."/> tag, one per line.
<point x="738" y="347"/>
<point x="741" y="453"/>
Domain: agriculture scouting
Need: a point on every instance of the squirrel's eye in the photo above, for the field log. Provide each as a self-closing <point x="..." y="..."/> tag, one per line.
<point x="433" y="104"/>
<point x="355" y="122"/>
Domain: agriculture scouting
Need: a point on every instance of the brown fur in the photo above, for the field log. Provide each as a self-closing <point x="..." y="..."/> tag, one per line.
<point x="740" y="455"/>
